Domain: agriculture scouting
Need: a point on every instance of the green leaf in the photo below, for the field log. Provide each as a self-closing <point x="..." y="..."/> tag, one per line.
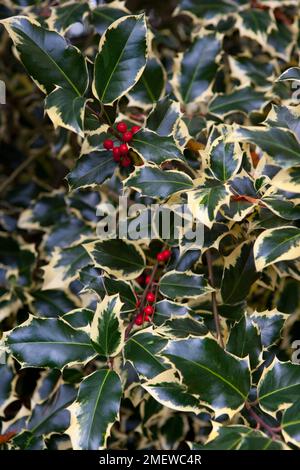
<point x="164" y="117"/>
<point x="290" y="424"/>
<point x="285" y="117"/>
<point x="155" y="148"/>
<point x="47" y="56"/>
<point x="168" y="391"/>
<point x="279" y="386"/>
<point x="6" y="388"/>
<point x="121" y="58"/>
<point x="205" y="201"/>
<point x="195" y="69"/>
<point x="104" y="15"/>
<point x="48" y="343"/>
<point x="224" y="159"/>
<point x="51" y="415"/>
<point x="221" y="380"/>
<point x="63" y="17"/>
<point x="179" y="285"/>
<point x="182" y="327"/>
<point x="288" y="179"/>
<point x="118" y="257"/>
<point x="280" y="144"/>
<point x="282" y="207"/>
<point x="66" y="109"/>
<point x="108" y="331"/>
<point x="79" y="317"/>
<point x="239" y="274"/>
<point x="270" y="325"/>
<point x="292" y="73"/>
<point x="244" y="340"/>
<point x="165" y="310"/>
<point x="237" y="437"/>
<point x="157" y="183"/>
<point x="207" y="9"/>
<point x="92" y="169"/>
<point x="151" y="85"/>
<point x="142" y="351"/>
<point x="244" y="100"/>
<point x="277" y="244"/>
<point x="256" y="24"/>
<point x="95" y="410"/>
<point x="51" y="303"/>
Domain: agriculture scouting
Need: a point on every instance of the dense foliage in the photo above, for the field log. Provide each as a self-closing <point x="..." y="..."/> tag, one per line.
<point x="121" y="343"/>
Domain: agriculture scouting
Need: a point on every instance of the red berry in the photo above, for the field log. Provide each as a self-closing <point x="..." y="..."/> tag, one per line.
<point x="148" y="319"/>
<point x="116" y="154"/>
<point x="121" y="127"/>
<point x="150" y="297"/>
<point x="149" y="310"/>
<point x="139" y="320"/>
<point x="160" y="257"/>
<point x="147" y="279"/>
<point x="126" y="161"/>
<point x="108" y="144"/>
<point x="138" y="303"/>
<point x="140" y="279"/>
<point x="135" y="129"/>
<point x="123" y="149"/>
<point x="166" y="254"/>
<point x="127" y="136"/>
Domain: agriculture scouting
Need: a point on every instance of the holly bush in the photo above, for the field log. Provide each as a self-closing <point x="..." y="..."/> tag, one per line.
<point x="127" y="343"/>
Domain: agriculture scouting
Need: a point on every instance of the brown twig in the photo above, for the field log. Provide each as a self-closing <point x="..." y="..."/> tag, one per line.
<point x="260" y="422"/>
<point x="214" y="298"/>
<point x="18" y="171"/>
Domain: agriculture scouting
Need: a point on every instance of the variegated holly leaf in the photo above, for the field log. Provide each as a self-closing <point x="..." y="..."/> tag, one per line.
<point x="151" y="85"/>
<point x="104" y="15"/>
<point x="121" y="59"/>
<point x="48" y="342"/>
<point x="250" y="71"/>
<point x="239" y="274"/>
<point x="245" y="340"/>
<point x="51" y="415"/>
<point x="256" y="24"/>
<point x="279" y="386"/>
<point x="183" y="327"/>
<point x="179" y="285"/>
<point x="107" y="330"/>
<point x="63" y="17"/>
<point x="95" y="410"/>
<point x="142" y="350"/>
<point x="280" y="144"/>
<point x="47" y="56"/>
<point x="6" y="384"/>
<point x="118" y="257"/>
<point x="220" y="379"/>
<point x="79" y="317"/>
<point x="244" y="99"/>
<point x="290" y="424"/>
<point x="195" y="69"/>
<point x="285" y="117"/>
<point x="288" y="179"/>
<point x="207" y="9"/>
<point x="155" y="148"/>
<point x="92" y="169"/>
<point x="51" y="303"/>
<point x="157" y="183"/>
<point x="224" y="159"/>
<point x="66" y="109"/>
<point x="279" y="205"/>
<point x="168" y="391"/>
<point x="205" y="201"/>
<point x="165" y="310"/>
<point x="274" y="245"/>
<point x="292" y="73"/>
<point x="270" y="324"/>
<point x="164" y="116"/>
<point x="238" y="437"/>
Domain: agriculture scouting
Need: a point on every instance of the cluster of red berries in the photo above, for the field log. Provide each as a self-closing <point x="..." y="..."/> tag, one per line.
<point x="149" y="310"/>
<point x="120" y="153"/>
